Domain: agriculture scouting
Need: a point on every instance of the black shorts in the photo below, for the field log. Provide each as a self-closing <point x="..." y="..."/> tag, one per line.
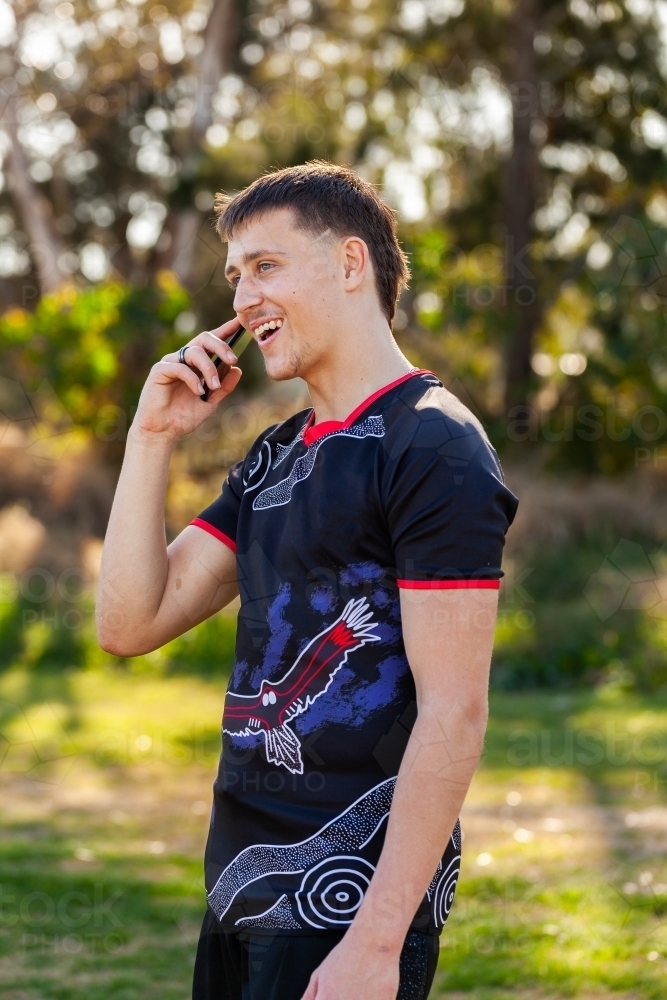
<point x="246" y="966"/>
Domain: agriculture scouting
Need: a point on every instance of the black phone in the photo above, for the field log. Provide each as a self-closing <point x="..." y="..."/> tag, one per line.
<point x="238" y="343"/>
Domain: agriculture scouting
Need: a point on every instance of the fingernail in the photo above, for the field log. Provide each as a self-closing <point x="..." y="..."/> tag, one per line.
<point x="215" y="382"/>
<point x="201" y="387"/>
<point x="232" y="357"/>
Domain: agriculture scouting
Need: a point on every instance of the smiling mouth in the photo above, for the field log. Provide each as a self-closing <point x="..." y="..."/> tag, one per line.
<point x="266" y="331"/>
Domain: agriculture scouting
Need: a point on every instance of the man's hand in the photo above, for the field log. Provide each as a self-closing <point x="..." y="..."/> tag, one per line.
<point x="149" y="594"/>
<point x="355" y="970"/>
<point x="448" y="637"/>
<point x="171" y="404"/>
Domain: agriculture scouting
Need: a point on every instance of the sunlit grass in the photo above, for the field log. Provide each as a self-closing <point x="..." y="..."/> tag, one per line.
<point x="105" y="794"/>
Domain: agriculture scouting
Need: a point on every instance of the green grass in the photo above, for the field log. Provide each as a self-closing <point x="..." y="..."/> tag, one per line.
<point x="564" y="892"/>
<point x="104" y="786"/>
<point x="100" y="850"/>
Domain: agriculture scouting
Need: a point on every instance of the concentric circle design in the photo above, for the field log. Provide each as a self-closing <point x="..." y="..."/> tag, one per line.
<point x="443" y="897"/>
<point x="258" y="472"/>
<point x="332" y="891"/>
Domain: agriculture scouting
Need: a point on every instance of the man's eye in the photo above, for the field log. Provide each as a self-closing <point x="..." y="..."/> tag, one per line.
<point x="265" y="265"/>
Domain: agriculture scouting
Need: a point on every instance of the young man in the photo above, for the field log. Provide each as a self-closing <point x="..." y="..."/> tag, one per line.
<point x="365" y="538"/>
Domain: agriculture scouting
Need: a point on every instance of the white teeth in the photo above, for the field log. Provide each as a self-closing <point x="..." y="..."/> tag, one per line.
<point x="273" y="324"/>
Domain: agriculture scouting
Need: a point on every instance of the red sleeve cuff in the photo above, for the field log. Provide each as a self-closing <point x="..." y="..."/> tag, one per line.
<point x="220" y="535"/>
<point x="449" y="584"/>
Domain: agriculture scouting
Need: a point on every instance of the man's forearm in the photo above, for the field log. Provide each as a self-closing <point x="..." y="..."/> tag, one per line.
<point x="435" y="774"/>
<point x="135" y="563"/>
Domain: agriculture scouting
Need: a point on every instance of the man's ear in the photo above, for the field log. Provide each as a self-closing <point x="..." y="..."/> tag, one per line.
<point x="356" y="260"/>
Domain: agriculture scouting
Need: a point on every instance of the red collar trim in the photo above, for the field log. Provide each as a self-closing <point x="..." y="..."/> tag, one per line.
<point x="313" y="432"/>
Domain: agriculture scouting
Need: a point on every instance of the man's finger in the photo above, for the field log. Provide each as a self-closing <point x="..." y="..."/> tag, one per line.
<point x="174" y="371"/>
<point x="225" y="331"/>
<point x="226" y="386"/>
<point x="215" y="345"/>
<point x="230" y="380"/>
<point x="196" y="357"/>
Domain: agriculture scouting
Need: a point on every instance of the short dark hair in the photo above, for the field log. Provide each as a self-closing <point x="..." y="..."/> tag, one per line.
<point x="325" y="196"/>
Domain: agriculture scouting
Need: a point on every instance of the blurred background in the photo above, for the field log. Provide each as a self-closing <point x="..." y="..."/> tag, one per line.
<point x="523" y="145"/>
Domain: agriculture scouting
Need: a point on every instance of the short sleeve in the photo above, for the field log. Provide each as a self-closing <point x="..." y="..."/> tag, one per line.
<point x="221" y="517"/>
<point x="445" y="500"/>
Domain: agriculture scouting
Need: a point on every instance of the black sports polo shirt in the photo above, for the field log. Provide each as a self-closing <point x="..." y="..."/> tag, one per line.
<point x="327" y="521"/>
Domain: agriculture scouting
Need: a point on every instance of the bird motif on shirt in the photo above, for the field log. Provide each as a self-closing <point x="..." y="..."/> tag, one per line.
<point x="277" y="703"/>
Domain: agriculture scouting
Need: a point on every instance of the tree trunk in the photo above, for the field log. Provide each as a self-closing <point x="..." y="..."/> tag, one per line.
<point x="35" y="213"/>
<point x="520" y="192"/>
<point x="215" y="60"/>
<point x="8" y="295"/>
<point x="220" y="37"/>
<point x="182" y="225"/>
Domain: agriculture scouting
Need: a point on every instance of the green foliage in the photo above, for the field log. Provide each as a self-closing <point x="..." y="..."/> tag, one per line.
<point x="93" y="347"/>
<point x="609" y="418"/>
<point x="59" y="637"/>
<point x="588" y="82"/>
<point x="205" y="651"/>
<point x="431" y="101"/>
<point x="556" y="638"/>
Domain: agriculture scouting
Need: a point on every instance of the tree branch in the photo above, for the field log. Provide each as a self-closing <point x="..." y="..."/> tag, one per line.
<point x="35" y="213"/>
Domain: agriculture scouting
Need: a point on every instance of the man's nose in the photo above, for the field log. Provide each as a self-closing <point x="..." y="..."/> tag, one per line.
<point x="247" y="295"/>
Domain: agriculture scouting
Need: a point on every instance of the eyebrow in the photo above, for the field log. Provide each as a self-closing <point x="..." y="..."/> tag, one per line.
<point x="253" y="255"/>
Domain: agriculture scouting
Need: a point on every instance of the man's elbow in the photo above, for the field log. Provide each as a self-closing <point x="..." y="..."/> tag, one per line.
<point x="468" y="714"/>
<point x="477" y="712"/>
<point x="123" y="648"/>
<point x="119" y="643"/>
<point x="114" y="644"/>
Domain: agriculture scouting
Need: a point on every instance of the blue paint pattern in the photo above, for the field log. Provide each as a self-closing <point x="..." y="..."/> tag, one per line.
<point x="350" y="700"/>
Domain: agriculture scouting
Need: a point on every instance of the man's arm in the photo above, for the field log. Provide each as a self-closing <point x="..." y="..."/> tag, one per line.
<point x="150" y="593"/>
<point x="448" y="639"/>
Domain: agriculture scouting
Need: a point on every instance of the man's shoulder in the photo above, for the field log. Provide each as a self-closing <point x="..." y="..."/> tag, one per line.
<point x="425" y="415"/>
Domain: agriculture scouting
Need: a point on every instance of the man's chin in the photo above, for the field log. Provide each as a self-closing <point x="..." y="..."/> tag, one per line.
<point x="282" y="369"/>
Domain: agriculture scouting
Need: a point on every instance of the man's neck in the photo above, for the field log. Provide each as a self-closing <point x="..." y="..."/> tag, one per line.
<point x="351" y="376"/>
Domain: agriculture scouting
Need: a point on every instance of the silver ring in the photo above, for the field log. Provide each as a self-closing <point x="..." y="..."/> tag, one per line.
<point x="181" y="354"/>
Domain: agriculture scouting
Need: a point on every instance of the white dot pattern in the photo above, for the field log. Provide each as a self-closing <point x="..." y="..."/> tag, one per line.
<point x="280" y="915"/>
<point x="348" y="832"/>
<point x="281" y="493"/>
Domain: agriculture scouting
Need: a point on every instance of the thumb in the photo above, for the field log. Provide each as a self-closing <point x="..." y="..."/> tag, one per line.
<point x="311" y="991"/>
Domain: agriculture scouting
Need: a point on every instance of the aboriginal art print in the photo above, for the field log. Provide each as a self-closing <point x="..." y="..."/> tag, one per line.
<point x="271" y="709"/>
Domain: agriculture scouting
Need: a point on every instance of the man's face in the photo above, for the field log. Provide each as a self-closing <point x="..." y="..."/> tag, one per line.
<point x="288" y="288"/>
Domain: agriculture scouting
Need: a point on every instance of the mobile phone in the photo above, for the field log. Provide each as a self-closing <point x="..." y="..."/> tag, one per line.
<point x="238" y="343"/>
